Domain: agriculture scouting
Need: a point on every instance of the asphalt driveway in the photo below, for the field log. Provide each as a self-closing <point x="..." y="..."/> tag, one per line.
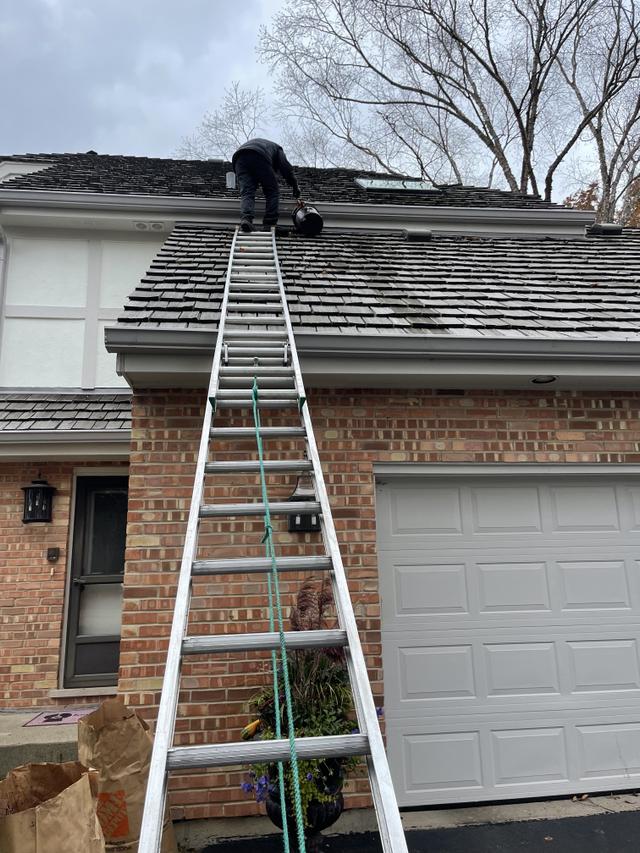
<point x="602" y="833"/>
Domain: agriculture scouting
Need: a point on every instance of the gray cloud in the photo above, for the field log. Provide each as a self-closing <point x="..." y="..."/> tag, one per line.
<point x="119" y="76"/>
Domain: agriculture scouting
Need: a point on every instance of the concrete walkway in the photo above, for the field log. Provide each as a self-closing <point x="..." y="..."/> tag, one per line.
<point x="19" y="745"/>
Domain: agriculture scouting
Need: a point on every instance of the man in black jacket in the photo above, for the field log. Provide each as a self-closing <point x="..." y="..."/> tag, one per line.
<point x="257" y="163"/>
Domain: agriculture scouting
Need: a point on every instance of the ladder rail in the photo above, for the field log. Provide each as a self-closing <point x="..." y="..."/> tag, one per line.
<point x="154" y="807"/>
<point x="384" y="797"/>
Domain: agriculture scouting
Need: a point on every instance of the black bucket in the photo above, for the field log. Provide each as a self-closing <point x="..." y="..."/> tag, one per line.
<point x="307" y="220"/>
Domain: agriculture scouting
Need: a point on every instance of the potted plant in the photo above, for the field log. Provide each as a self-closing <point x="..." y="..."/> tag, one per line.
<point x="322" y="705"/>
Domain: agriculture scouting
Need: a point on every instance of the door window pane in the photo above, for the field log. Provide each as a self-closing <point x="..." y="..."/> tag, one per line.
<point x="100" y="609"/>
<point x="107" y="533"/>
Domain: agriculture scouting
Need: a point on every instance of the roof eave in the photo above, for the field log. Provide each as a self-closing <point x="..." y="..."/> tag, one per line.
<point x="178" y="357"/>
<point x="19" y="205"/>
<point x="65" y="444"/>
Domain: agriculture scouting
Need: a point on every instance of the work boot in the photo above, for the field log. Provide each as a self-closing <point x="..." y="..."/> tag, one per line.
<point x="246" y="227"/>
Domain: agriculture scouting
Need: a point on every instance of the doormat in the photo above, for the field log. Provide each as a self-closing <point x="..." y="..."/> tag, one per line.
<point x="59" y="718"/>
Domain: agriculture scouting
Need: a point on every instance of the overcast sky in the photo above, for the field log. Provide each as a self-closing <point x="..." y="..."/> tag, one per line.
<point x="120" y="76"/>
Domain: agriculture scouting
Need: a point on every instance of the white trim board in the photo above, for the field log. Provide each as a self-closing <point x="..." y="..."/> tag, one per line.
<point x="391" y="470"/>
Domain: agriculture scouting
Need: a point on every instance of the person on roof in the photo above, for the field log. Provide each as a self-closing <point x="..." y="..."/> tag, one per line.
<point x="257" y="163"/>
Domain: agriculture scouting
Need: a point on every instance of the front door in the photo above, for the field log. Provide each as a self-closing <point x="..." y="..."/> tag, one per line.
<point x="97" y="569"/>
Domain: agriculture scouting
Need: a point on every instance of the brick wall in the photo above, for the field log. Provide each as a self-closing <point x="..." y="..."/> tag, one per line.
<point x="32" y="589"/>
<point x="354" y="430"/>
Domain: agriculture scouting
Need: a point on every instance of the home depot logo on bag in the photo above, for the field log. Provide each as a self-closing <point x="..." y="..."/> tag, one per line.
<point x="112" y="813"/>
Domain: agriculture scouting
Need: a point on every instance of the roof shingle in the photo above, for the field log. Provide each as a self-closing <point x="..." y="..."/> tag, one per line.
<point x="371" y="283"/>
<point x="102" y="173"/>
<point x="24" y="411"/>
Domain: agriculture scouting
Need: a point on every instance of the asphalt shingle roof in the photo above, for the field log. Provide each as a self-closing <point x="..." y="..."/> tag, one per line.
<point x="372" y="283"/>
<point x="102" y="173"/>
<point x="22" y="411"/>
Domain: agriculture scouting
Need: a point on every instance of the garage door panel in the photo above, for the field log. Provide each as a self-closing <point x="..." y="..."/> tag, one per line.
<point x="499" y="510"/>
<point x="452" y="515"/>
<point x="585" y="507"/>
<point x="458" y="588"/>
<point x="436" y="673"/>
<point x="470" y="760"/>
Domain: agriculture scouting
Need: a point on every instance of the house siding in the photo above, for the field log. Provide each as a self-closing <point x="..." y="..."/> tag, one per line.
<point x="32" y="589"/>
<point x="355" y="429"/>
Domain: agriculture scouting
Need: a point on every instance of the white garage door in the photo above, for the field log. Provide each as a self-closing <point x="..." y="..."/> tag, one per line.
<point x="510" y="628"/>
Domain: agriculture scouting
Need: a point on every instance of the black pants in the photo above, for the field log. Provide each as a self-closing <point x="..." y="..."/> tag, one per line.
<point x="252" y="171"/>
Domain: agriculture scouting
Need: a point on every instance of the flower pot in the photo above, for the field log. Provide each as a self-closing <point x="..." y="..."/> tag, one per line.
<point x="320" y="815"/>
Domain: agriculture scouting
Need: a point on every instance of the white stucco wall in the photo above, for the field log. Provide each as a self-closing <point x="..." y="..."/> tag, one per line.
<point x="61" y="289"/>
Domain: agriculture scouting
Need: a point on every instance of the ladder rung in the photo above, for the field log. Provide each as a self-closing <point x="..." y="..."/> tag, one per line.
<point x="250" y="288"/>
<point x="258" y="565"/>
<point x="274" y="351"/>
<point x="259" y="641"/>
<point x="254" y="321"/>
<point x="255" y="352"/>
<point x="264" y="393"/>
<point x="265" y="432"/>
<point x="263" y="292"/>
<point x="258" y="333"/>
<point x="240" y="342"/>
<point x="226" y="754"/>
<point x="280" y="372"/>
<point x="260" y="361"/>
<point x="275" y="508"/>
<point x="262" y="404"/>
<point x="253" y="465"/>
<point x="271" y="307"/>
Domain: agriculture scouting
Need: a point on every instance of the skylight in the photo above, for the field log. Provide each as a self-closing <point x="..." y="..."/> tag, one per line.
<point x="411" y="184"/>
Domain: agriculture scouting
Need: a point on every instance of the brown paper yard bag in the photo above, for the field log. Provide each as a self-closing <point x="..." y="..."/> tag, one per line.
<point x="117" y="743"/>
<point x="50" y="808"/>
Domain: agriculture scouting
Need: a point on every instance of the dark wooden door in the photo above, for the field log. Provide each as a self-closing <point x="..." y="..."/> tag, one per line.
<point x="97" y="569"/>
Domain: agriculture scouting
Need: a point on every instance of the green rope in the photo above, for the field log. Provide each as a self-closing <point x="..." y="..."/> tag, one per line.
<point x="274" y="593"/>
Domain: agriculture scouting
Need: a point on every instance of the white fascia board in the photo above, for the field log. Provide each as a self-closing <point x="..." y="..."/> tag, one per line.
<point x="65" y="444"/>
<point x="184" y="358"/>
<point x="119" y="210"/>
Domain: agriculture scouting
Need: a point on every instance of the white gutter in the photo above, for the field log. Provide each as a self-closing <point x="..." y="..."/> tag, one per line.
<point x="65" y="444"/>
<point x="149" y="358"/>
<point x="66" y="208"/>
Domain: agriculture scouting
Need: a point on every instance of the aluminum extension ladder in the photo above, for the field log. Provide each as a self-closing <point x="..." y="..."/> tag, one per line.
<point x="253" y="294"/>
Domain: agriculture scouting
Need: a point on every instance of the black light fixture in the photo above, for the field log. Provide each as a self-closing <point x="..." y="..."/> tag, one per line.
<point x="38" y="501"/>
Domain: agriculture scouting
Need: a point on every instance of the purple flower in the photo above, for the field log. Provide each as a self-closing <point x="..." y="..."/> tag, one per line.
<point x="247" y="787"/>
<point x="309" y="777"/>
<point x="380" y="711"/>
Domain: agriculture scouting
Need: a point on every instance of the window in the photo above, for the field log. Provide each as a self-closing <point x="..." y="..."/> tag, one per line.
<point x="401" y="184"/>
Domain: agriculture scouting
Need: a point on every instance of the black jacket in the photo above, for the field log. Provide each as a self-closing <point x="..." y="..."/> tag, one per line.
<point x="275" y="156"/>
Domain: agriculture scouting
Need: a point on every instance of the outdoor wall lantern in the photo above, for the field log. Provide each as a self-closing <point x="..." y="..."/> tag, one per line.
<point x="38" y="501"/>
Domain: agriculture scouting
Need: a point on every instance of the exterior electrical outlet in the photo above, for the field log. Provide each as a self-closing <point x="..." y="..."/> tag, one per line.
<point x="304" y="522"/>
